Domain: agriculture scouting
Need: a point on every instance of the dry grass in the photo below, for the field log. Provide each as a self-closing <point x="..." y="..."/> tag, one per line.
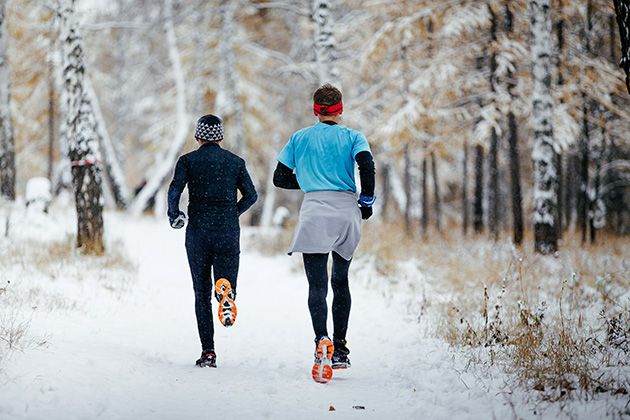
<point x="45" y="264"/>
<point x="559" y="325"/>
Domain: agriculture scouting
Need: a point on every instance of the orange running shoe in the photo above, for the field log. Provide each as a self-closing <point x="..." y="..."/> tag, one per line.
<point x="227" y="307"/>
<point x="322" y="369"/>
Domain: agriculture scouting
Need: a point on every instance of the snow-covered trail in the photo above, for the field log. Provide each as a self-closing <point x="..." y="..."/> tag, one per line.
<point x="133" y="357"/>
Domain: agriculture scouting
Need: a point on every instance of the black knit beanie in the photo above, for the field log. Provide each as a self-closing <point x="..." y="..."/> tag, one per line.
<point x="209" y="128"/>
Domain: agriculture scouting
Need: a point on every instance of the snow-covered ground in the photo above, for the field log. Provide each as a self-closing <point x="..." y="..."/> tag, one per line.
<point x="124" y="348"/>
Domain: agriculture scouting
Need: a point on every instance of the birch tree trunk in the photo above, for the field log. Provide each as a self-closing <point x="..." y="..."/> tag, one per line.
<point x="7" y="141"/>
<point x="325" y="43"/>
<point x="114" y="173"/>
<point x="228" y="100"/>
<point x="163" y="166"/>
<point x="80" y="136"/>
<point x="622" y="9"/>
<point x="545" y="177"/>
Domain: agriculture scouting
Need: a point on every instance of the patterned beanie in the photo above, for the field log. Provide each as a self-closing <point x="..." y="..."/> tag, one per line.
<point x="209" y="128"/>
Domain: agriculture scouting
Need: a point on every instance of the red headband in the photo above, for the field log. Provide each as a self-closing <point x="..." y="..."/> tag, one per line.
<point x="335" y="109"/>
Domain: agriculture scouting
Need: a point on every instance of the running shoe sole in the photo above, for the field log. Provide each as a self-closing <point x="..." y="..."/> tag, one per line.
<point x="227" y="307"/>
<point x="322" y="370"/>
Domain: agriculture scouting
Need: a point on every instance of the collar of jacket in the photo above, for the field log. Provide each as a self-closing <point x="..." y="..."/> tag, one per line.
<point x="210" y="143"/>
<point x="328" y="122"/>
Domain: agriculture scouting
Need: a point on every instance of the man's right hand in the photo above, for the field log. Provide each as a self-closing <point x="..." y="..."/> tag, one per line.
<point x="179" y="221"/>
<point x="366" y="212"/>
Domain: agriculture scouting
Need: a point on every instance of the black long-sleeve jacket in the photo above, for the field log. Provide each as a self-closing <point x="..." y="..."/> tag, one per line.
<point x="213" y="176"/>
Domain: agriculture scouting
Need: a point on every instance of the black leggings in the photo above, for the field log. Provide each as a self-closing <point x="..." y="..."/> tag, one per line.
<point x="316" y="267"/>
<point x="210" y="255"/>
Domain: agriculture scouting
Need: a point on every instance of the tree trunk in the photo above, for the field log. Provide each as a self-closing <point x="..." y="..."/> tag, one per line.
<point x="51" y="119"/>
<point x="622" y="8"/>
<point x="559" y="193"/>
<point x="515" y="180"/>
<point x="571" y="186"/>
<point x="493" y="187"/>
<point x="545" y="177"/>
<point x="425" y="199"/>
<point x="7" y="141"/>
<point x="478" y="199"/>
<point x="164" y="163"/>
<point x="407" y="187"/>
<point x="81" y="137"/>
<point x="514" y="155"/>
<point x="437" y="203"/>
<point x="493" y="155"/>
<point x="228" y="100"/>
<point x="325" y="43"/>
<point x="385" y="188"/>
<point x="114" y="173"/>
<point x="465" y="204"/>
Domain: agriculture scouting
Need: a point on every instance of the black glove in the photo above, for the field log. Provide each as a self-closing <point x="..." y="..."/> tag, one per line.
<point x="366" y="212"/>
<point x="365" y="204"/>
<point x="179" y="221"/>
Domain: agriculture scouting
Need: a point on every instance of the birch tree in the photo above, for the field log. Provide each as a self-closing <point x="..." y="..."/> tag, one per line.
<point x="543" y="154"/>
<point x="7" y="145"/>
<point x="229" y="104"/>
<point x="163" y="166"/>
<point x="114" y="173"/>
<point x="324" y="42"/>
<point x="80" y="135"/>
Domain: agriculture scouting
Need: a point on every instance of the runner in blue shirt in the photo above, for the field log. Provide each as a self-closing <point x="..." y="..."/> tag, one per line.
<point x="320" y="160"/>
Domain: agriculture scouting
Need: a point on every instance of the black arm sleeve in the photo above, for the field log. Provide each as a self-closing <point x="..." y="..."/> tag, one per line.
<point x="283" y="177"/>
<point x="247" y="189"/>
<point x="177" y="186"/>
<point x="365" y="161"/>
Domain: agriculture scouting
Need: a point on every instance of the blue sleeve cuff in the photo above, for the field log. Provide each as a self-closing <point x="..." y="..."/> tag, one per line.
<point x="367" y="201"/>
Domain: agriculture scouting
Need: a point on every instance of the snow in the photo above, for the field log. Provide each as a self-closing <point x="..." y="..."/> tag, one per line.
<point x="121" y="343"/>
<point x="128" y="351"/>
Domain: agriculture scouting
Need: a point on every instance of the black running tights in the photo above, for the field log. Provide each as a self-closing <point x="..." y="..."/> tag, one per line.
<point x="316" y="266"/>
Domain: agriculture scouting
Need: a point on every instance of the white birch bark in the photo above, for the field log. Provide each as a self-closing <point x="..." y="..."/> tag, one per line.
<point x="164" y="163"/>
<point x="545" y="177"/>
<point x="114" y="173"/>
<point x="325" y="42"/>
<point x="228" y="101"/>
<point x="80" y="136"/>
<point x="7" y="142"/>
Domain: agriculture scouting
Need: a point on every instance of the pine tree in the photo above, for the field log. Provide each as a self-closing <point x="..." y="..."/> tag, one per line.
<point x="7" y="142"/>
<point x="80" y="135"/>
<point x="545" y="199"/>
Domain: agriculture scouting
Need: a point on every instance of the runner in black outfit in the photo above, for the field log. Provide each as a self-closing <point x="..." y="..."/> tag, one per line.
<point x="213" y="176"/>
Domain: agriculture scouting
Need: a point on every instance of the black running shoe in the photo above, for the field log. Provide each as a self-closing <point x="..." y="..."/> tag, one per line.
<point x="340" y="358"/>
<point x="208" y="359"/>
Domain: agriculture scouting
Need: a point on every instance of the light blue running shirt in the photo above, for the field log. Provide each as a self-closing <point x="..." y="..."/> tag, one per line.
<point x="323" y="157"/>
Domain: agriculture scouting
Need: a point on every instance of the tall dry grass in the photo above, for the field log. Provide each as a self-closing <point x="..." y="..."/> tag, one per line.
<point x="558" y="325"/>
